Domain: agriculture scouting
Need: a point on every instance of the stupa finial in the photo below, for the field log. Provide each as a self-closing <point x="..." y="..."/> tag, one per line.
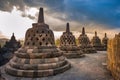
<point x="41" y="16"/>
<point x="67" y="28"/>
<point x="95" y="33"/>
<point x="13" y="34"/>
<point x="105" y="34"/>
<point x="13" y="37"/>
<point x="83" y="30"/>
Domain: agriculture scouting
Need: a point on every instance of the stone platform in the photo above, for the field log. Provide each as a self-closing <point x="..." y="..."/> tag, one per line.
<point x="88" y="68"/>
<point x="31" y="64"/>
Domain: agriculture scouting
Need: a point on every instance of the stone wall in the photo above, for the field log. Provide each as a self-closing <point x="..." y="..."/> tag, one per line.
<point x="114" y="56"/>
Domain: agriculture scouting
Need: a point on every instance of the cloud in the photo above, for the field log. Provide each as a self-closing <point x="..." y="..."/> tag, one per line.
<point x="101" y="12"/>
<point x="2" y="35"/>
<point x="95" y="15"/>
<point x="23" y="14"/>
<point x="7" y="5"/>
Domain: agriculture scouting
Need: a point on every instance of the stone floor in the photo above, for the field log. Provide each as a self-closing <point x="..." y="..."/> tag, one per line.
<point x="91" y="67"/>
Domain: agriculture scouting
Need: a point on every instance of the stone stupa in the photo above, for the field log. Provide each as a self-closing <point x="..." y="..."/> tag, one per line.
<point x="96" y="43"/>
<point x="12" y="45"/>
<point x="85" y="44"/>
<point x="39" y="56"/>
<point x="105" y="41"/>
<point x="68" y="45"/>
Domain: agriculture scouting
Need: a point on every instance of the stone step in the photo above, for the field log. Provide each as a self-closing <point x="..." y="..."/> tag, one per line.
<point x="37" y="61"/>
<point x="36" y="73"/>
<point x="73" y="55"/>
<point x="69" y="48"/>
<point x="37" y="66"/>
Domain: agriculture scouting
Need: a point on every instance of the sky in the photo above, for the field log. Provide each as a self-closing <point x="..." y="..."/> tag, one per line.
<point x="95" y="15"/>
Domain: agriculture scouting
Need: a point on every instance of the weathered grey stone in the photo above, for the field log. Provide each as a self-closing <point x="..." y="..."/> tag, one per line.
<point x="39" y="56"/>
<point x="105" y="41"/>
<point x="12" y="45"/>
<point x="68" y="45"/>
<point x="96" y="43"/>
<point x="85" y="44"/>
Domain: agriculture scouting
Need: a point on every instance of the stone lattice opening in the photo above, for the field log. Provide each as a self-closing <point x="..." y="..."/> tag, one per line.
<point x="43" y="39"/>
<point x="33" y="34"/>
<point x="37" y="31"/>
<point x="29" y="35"/>
<point x="42" y="31"/>
<point x="28" y="43"/>
<point x="46" y="43"/>
<point x="40" y="35"/>
<point x="37" y="39"/>
<point x="40" y="43"/>
<point x="31" y="38"/>
<point x="33" y="43"/>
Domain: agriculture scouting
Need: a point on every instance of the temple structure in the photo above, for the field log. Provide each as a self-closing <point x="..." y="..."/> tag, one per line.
<point x="7" y="51"/>
<point x="68" y="45"/>
<point x="96" y="43"/>
<point x="39" y="56"/>
<point x="12" y="45"/>
<point x="84" y="43"/>
<point x="105" y="41"/>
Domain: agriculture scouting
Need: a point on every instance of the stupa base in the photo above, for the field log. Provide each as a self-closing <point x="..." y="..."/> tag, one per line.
<point x="37" y="62"/>
<point x="73" y="54"/>
<point x="100" y="48"/>
<point x="89" y="51"/>
<point x="36" y="73"/>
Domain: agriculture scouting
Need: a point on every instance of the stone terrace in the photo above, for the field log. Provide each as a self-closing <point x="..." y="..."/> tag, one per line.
<point x="91" y="67"/>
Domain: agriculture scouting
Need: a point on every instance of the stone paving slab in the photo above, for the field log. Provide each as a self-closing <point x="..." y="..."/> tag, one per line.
<point x="87" y="68"/>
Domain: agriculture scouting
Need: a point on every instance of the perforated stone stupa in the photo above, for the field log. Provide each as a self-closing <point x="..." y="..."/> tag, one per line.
<point x="105" y="41"/>
<point x="68" y="44"/>
<point x="39" y="57"/>
<point x="96" y="43"/>
<point x="12" y="45"/>
<point x="84" y="43"/>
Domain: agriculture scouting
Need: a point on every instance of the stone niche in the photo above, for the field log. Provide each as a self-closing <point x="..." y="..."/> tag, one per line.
<point x="68" y="45"/>
<point x="114" y="56"/>
<point x="39" y="57"/>
<point x="84" y="43"/>
<point x="96" y="43"/>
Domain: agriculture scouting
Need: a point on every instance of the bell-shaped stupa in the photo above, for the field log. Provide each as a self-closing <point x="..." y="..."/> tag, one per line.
<point x="84" y="43"/>
<point x="12" y="45"/>
<point x="39" y="56"/>
<point x="96" y="43"/>
<point x="105" y="41"/>
<point x="68" y="45"/>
